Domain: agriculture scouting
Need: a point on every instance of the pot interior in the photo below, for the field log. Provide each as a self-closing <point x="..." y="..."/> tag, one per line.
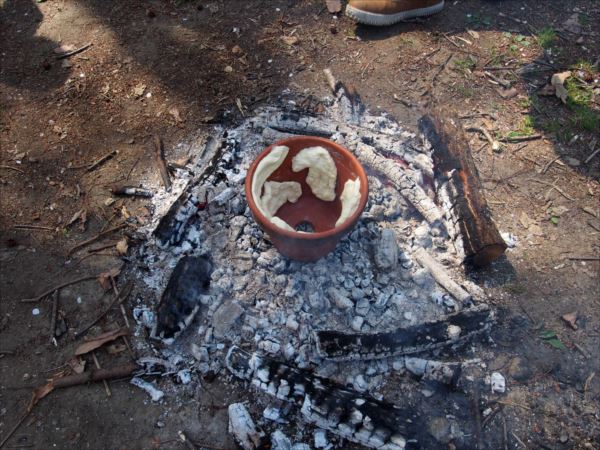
<point x="310" y="213"/>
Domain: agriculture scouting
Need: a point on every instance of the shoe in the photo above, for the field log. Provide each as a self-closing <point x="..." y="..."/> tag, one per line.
<point x="388" y="12"/>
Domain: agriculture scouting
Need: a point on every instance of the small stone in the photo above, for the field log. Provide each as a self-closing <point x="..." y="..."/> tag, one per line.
<point x="386" y="253"/>
<point x="320" y="437"/>
<point x="453" y="332"/>
<point x="357" y="323"/>
<point x="270" y="346"/>
<point x="362" y="307"/>
<point x="280" y="441"/>
<point x="35" y="311"/>
<point x="160" y="424"/>
<point x="340" y="299"/>
<point x="292" y="323"/>
<point x="564" y="437"/>
<point x="242" y="427"/>
<point x="360" y="384"/>
<point x="226" y="317"/>
<point x="498" y="383"/>
<point x="273" y="414"/>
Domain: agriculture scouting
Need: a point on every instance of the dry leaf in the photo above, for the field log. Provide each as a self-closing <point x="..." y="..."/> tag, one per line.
<point x="474" y="34"/>
<point x="125" y="212"/>
<point x="508" y="93"/>
<point x="290" y="40"/>
<point x="175" y="113"/>
<point x="138" y="91"/>
<point x="75" y="217"/>
<point x="39" y="393"/>
<point x="104" y="278"/>
<point x="77" y="364"/>
<point x="99" y="341"/>
<point x="571" y="319"/>
<point x="558" y="81"/>
<point x="334" y="6"/>
<point x="122" y="246"/>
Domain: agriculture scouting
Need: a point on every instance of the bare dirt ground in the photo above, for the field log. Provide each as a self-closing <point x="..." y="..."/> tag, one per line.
<point x="170" y="67"/>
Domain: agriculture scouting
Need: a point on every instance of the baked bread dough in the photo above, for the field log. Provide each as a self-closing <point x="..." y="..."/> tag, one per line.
<point x="350" y="199"/>
<point x="322" y="173"/>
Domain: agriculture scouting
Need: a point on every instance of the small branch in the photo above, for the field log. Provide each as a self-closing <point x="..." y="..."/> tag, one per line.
<point x="102" y="160"/>
<point x="160" y="161"/>
<point x="118" y="298"/>
<point x="441" y="68"/>
<point x="559" y="190"/>
<point x="584" y="258"/>
<point x="12" y="431"/>
<point x="12" y="168"/>
<point x="513" y="139"/>
<point x="594" y="153"/>
<point x="56" y="288"/>
<point x="494" y="143"/>
<point x="104" y="382"/>
<point x="53" y="318"/>
<point x="95" y="238"/>
<point x="74" y="52"/>
<point x="440" y="275"/>
<point x="26" y="226"/>
<point x="131" y="191"/>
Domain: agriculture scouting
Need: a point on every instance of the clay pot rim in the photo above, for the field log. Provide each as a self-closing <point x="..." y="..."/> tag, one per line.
<point x="350" y="221"/>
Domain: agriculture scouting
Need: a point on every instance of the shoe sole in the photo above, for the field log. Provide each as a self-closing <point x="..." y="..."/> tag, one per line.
<point x="375" y="19"/>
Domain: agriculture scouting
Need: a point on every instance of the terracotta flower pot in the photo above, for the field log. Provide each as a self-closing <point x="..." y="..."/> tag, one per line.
<point x="308" y="209"/>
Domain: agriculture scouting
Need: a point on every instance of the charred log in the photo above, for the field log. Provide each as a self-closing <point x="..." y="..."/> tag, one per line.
<point x="450" y="330"/>
<point x="459" y="185"/>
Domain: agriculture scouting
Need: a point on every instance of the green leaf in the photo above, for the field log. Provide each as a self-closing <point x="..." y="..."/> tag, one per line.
<point x="556" y="343"/>
<point x="548" y="334"/>
<point x="554" y="220"/>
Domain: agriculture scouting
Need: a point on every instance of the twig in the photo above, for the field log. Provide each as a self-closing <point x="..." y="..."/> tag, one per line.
<point x="117" y="299"/>
<point x="559" y="190"/>
<point x="56" y="288"/>
<point x="518" y="405"/>
<point x="518" y="439"/>
<point x="529" y="137"/>
<point x="441" y="68"/>
<point x="584" y="258"/>
<point x="494" y="143"/>
<point x="12" y="431"/>
<point x="104" y="382"/>
<point x="12" y="168"/>
<point x="160" y="161"/>
<point x="450" y="40"/>
<point x="103" y="247"/>
<point x="552" y="161"/>
<point x="504" y="433"/>
<point x="102" y="160"/>
<point x="477" y="416"/>
<point x="74" y="52"/>
<point x="25" y="226"/>
<point x="95" y="238"/>
<point x="594" y="153"/>
<point x="131" y="191"/>
<point x="53" y="318"/>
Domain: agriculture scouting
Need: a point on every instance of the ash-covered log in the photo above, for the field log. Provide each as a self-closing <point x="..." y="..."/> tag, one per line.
<point x="450" y="330"/>
<point x="460" y="187"/>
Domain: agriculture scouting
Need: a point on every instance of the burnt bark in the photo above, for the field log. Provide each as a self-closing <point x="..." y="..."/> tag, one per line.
<point x="458" y="181"/>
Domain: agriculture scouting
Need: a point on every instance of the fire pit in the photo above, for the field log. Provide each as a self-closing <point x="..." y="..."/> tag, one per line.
<point x="388" y="299"/>
<point x="308" y="204"/>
